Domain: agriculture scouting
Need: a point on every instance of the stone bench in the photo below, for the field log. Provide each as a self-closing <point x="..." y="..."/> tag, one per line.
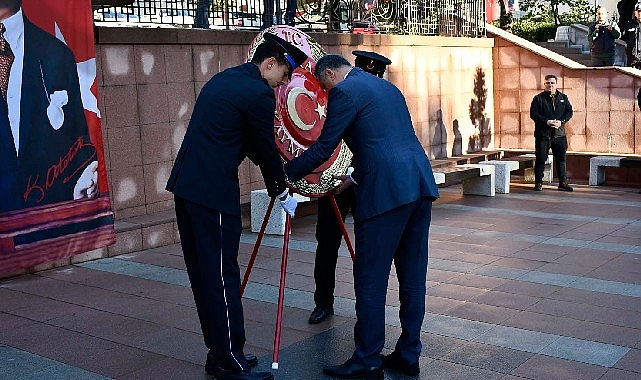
<point x="276" y="223"/>
<point x="599" y="163"/>
<point x="477" y="179"/>
<point x="502" y="169"/>
<point x="527" y="161"/>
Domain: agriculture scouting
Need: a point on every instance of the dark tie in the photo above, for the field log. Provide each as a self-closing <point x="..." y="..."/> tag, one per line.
<point x="6" y="60"/>
<point x="9" y="199"/>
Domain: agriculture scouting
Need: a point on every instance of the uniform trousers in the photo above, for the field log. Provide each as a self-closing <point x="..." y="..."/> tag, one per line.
<point x="329" y="237"/>
<point x="210" y="241"/>
<point x="399" y="235"/>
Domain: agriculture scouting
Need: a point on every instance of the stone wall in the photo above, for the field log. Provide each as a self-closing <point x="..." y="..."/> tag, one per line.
<point x="606" y="114"/>
<point x="149" y="80"/>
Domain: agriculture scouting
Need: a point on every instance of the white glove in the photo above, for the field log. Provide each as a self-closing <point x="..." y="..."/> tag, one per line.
<point x="288" y="203"/>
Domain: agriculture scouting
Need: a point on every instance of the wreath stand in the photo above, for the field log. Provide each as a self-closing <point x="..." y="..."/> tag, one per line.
<point x="283" y="265"/>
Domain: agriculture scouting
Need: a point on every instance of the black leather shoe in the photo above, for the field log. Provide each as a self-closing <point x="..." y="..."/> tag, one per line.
<point x="319" y="314"/>
<point x="224" y="374"/>
<point x="210" y="364"/>
<point x="396" y="362"/>
<point x="353" y="370"/>
<point x="563" y="186"/>
<point x="538" y="187"/>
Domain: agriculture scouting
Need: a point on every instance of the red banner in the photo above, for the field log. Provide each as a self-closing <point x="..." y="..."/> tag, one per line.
<point x="54" y="199"/>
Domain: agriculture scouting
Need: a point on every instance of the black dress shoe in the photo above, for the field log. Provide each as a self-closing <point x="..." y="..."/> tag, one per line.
<point x="353" y="370"/>
<point x="210" y="364"/>
<point x="396" y="362"/>
<point x="252" y="360"/>
<point x="224" y="374"/>
<point x="319" y="314"/>
<point x="563" y="186"/>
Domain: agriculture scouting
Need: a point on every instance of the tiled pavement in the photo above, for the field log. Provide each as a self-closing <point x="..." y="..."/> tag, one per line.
<point x="520" y="286"/>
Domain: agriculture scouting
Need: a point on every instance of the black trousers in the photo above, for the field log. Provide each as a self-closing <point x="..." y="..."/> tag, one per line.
<point x="329" y="237"/>
<point x="210" y="240"/>
<point x="559" y="147"/>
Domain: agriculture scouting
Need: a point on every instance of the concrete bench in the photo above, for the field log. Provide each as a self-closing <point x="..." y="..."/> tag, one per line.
<point x="477" y="179"/>
<point x="259" y="203"/>
<point x="527" y="161"/>
<point x="502" y="169"/>
<point x="599" y="163"/>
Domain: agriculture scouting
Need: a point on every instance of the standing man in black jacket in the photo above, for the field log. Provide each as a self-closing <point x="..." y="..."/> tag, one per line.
<point x="602" y="36"/>
<point x="233" y="118"/>
<point x="550" y="110"/>
<point x="632" y="37"/>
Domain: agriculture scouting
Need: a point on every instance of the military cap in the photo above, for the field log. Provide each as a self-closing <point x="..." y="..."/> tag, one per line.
<point x="371" y="62"/>
<point x="294" y="56"/>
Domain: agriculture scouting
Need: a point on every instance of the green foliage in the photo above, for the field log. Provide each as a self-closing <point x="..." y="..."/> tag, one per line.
<point x="541" y="17"/>
<point x="533" y="30"/>
<point x="581" y="12"/>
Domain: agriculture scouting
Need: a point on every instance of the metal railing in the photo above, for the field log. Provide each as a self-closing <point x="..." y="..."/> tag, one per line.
<point x="417" y="17"/>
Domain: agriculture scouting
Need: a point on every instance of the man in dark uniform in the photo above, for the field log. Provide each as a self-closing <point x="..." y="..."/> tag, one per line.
<point x="394" y="190"/>
<point x="632" y="38"/>
<point x="233" y="118"/>
<point x="328" y="231"/>
<point x="550" y="110"/>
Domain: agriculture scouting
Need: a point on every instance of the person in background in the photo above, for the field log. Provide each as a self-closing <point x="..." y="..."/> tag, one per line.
<point x="202" y="14"/>
<point x="625" y="9"/>
<point x="602" y="35"/>
<point x="233" y="118"/>
<point x="395" y="188"/>
<point x="632" y="38"/>
<point x="550" y="110"/>
<point x="328" y="231"/>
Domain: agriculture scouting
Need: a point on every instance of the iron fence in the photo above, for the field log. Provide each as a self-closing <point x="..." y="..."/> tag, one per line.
<point x="416" y="17"/>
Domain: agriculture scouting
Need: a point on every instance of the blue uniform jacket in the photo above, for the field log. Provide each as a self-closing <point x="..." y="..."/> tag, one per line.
<point x="233" y="118"/>
<point x="390" y="165"/>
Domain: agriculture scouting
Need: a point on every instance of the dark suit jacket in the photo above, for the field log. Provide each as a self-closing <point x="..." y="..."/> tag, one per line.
<point x="50" y="161"/>
<point x="233" y="118"/>
<point x="390" y="165"/>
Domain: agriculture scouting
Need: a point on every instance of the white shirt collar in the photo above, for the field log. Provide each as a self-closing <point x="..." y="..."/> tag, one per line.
<point x="14" y="28"/>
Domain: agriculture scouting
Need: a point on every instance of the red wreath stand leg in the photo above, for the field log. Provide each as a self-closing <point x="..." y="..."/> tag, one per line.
<point x="283" y="265"/>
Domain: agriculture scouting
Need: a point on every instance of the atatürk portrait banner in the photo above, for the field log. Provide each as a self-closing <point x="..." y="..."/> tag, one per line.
<point x="54" y="200"/>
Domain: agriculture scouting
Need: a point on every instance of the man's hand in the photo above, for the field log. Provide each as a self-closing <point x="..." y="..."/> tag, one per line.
<point x="554" y="123"/>
<point x="346" y="181"/>
<point x="288" y="203"/>
<point x="87" y="184"/>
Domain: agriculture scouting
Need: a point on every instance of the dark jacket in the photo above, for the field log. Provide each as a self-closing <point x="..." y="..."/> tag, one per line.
<point x="233" y="118"/>
<point x="602" y="41"/>
<point x="632" y="37"/>
<point x="544" y="107"/>
<point x="50" y="160"/>
<point x="390" y="165"/>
